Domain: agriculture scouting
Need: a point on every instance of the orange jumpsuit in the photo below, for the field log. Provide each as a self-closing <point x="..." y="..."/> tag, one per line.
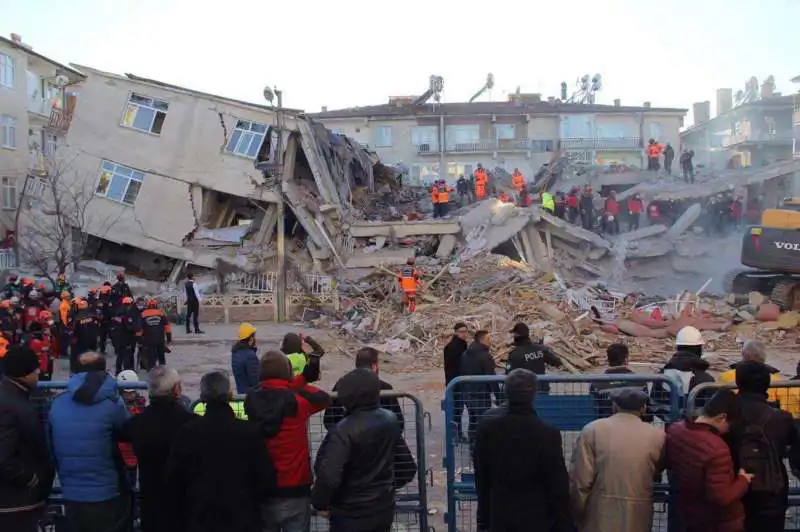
<point x="481" y="181"/>
<point x="409" y="281"/>
<point x="518" y="181"/>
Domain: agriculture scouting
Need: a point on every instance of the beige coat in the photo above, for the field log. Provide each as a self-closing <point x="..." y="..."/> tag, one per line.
<point x="611" y="477"/>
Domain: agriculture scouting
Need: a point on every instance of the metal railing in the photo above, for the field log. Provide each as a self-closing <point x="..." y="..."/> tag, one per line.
<point x="567" y="403"/>
<point x="486" y="145"/>
<point x="428" y="147"/>
<point x="600" y="143"/>
<point x="59" y="120"/>
<point x="7" y="259"/>
<point x="741" y="138"/>
<point x="411" y="510"/>
<point x="253" y="282"/>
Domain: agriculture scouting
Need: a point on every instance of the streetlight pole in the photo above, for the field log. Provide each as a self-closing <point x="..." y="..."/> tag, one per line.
<point x="281" y="229"/>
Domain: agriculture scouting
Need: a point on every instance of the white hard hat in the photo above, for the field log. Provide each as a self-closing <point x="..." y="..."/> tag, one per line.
<point x="689" y="336"/>
<point x="127" y="375"/>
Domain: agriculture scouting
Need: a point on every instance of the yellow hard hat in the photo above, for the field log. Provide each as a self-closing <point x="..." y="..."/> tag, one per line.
<point x="246" y="330"/>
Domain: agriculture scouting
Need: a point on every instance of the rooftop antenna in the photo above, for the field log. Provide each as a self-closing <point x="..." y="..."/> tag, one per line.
<point x="586" y="89"/>
<point x="486" y="86"/>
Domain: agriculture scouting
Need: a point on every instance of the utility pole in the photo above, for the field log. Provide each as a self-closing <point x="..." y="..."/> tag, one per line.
<point x="281" y="233"/>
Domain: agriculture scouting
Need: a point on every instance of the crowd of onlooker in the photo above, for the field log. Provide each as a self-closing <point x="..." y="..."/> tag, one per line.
<point x="211" y="466"/>
<point x="724" y="464"/>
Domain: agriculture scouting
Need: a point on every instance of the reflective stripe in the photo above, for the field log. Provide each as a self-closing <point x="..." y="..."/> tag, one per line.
<point x="237" y="406"/>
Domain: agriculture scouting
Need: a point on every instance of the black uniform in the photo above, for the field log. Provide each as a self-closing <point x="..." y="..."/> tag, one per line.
<point x="104" y="314"/>
<point x="192" y="307"/>
<point x="125" y="324"/>
<point x="120" y="290"/>
<point x="532" y="356"/>
<point x="85" y="328"/>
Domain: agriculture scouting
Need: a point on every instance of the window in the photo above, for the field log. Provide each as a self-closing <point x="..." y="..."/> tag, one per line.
<point x="466" y="134"/>
<point x="383" y="136"/>
<point x="424" y="135"/>
<point x="119" y="183"/>
<point x="49" y="144"/>
<point x="145" y="114"/>
<point x="6" y="71"/>
<point x="8" y="131"/>
<point x="772" y="129"/>
<point x="9" y="192"/>
<point x="504" y="131"/>
<point x="247" y="138"/>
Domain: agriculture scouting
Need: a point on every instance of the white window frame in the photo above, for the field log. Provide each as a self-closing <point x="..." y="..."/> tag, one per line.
<point x="49" y="144"/>
<point x="246" y="135"/>
<point x="9" y="193"/>
<point x="462" y="134"/>
<point x="421" y="135"/>
<point x="146" y="103"/>
<point x="8" y="132"/>
<point x="119" y="172"/>
<point x="383" y="137"/>
<point x="8" y="73"/>
<point x="498" y="128"/>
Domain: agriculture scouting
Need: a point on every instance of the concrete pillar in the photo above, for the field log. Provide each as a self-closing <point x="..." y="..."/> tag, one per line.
<point x="539" y="248"/>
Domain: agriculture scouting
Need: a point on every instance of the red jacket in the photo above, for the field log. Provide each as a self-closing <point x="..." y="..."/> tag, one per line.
<point x="709" y="492"/>
<point x="572" y="201"/>
<point x="612" y="206"/>
<point x="283" y="409"/>
<point x="635" y="206"/>
<point x="135" y="406"/>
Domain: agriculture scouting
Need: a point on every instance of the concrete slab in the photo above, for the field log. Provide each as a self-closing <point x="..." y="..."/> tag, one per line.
<point x="644" y="232"/>
<point x="576" y="232"/>
<point x="365" y="229"/>
<point x="684" y="222"/>
<point x="648" y="249"/>
<point x="383" y="257"/>
<point x="446" y="245"/>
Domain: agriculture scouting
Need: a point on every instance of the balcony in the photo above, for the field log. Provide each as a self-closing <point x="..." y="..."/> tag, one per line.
<point x="59" y="120"/>
<point x="490" y="145"/>
<point x="587" y="143"/>
<point x="428" y="148"/>
<point x="744" y="138"/>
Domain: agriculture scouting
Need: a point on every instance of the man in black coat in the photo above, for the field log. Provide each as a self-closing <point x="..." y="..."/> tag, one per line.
<point x="520" y="474"/>
<point x="218" y="472"/>
<point x="151" y="433"/>
<point x="366" y="358"/>
<point x="452" y="368"/>
<point x="767" y="500"/>
<point x="477" y="396"/>
<point x="26" y="468"/>
<point x="361" y="461"/>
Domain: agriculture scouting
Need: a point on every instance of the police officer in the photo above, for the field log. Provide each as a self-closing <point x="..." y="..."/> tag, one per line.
<point x="124" y="326"/>
<point x="120" y="290"/>
<point x="530" y="355"/>
<point x="84" y="329"/>
<point x="155" y="334"/>
<point x="104" y="314"/>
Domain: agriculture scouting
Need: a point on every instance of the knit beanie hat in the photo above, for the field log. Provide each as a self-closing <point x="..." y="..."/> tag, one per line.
<point x="20" y="361"/>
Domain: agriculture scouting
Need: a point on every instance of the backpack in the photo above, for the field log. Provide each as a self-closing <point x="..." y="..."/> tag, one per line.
<point x="759" y="457"/>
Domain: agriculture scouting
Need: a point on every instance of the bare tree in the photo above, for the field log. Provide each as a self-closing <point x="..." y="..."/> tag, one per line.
<point x="55" y="218"/>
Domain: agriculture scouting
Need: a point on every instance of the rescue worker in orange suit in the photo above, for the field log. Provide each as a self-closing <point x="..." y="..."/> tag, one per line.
<point x="518" y="181"/>
<point x="435" y="198"/>
<point x="612" y="209"/>
<point x="444" y="197"/>
<point x="635" y="210"/>
<point x="653" y="155"/>
<point x="33" y="306"/>
<point x="481" y="182"/>
<point x="3" y="351"/>
<point x="64" y="316"/>
<point x="104" y="313"/>
<point x="124" y="326"/>
<point x="572" y="204"/>
<point x="38" y="339"/>
<point x="154" y="335"/>
<point x="409" y="282"/>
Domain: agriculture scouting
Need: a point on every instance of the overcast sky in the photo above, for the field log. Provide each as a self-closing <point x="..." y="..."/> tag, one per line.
<point x="358" y="52"/>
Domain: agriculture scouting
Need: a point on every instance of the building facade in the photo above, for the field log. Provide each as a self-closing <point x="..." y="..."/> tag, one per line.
<point x="796" y="119"/>
<point x="755" y="133"/>
<point x="37" y="98"/>
<point x="163" y="161"/>
<point x="524" y="134"/>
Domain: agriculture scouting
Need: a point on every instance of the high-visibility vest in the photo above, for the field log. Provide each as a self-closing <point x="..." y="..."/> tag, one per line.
<point x="236" y="406"/>
<point x="435" y="194"/>
<point x="444" y="194"/>
<point x="654" y="151"/>
<point x="3" y="347"/>
<point x="298" y="362"/>
<point x="480" y="176"/>
<point x="518" y="181"/>
<point x="547" y="202"/>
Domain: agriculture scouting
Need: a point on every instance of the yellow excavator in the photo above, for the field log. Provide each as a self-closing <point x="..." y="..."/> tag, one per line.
<point x="771" y="257"/>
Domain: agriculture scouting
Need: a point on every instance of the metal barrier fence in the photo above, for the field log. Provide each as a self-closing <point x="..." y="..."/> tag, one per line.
<point x="783" y="394"/>
<point x="411" y="513"/>
<point x="567" y="403"/>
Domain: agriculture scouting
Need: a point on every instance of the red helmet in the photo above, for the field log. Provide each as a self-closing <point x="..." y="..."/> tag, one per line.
<point x="411" y="261"/>
<point x="127" y="300"/>
<point x="152" y="303"/>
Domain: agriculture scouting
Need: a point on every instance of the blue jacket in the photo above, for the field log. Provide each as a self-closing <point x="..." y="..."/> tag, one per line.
<point x="245" y="367"/>
<point x="83" y="423"/>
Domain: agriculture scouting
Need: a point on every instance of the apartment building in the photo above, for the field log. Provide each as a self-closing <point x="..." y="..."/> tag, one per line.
<point x="755" y="132"/>
<point x="520" y="133"/>
<point x="166" y="163"/>
<point x="796" y="118"/>
<point x="37" y="98"/>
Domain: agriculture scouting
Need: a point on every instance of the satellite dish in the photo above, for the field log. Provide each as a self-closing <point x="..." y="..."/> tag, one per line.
<point x="269" y="94"/>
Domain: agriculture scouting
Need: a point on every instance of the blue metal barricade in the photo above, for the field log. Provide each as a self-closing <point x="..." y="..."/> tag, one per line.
<point x="567" y="403"/>
<point x="411" y="514"/>
<point x="784" y="395"/>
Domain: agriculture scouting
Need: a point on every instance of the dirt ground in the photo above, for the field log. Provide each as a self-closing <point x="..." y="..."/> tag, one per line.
<point x="195" y="355"/>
